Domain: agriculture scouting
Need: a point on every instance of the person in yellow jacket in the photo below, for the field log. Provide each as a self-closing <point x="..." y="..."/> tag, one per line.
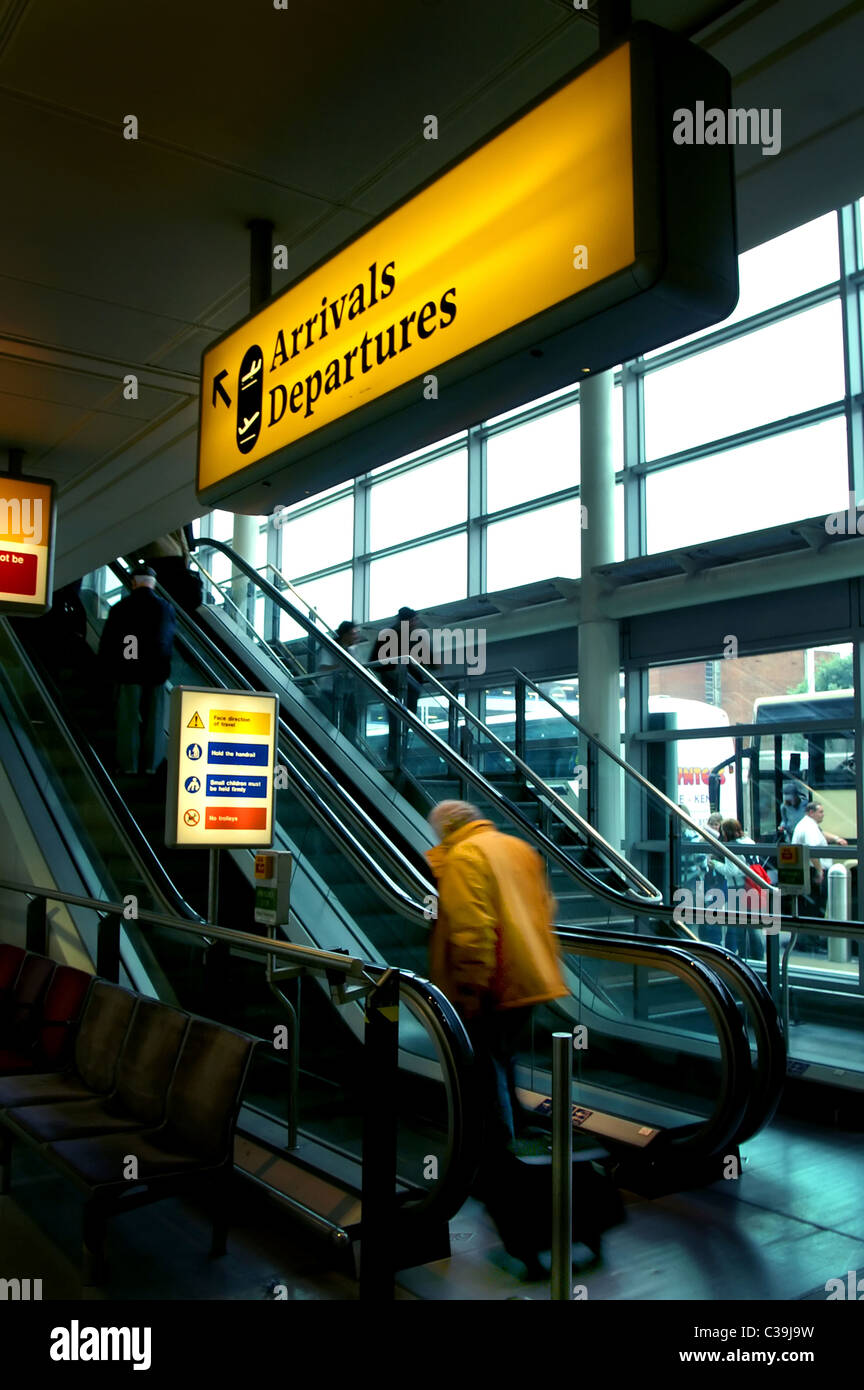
<point x="492" y="951"/>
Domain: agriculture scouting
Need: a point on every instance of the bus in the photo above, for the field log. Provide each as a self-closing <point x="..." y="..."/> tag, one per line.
<point x="823" y="761"/>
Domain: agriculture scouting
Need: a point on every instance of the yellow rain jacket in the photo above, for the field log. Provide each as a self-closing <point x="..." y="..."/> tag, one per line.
<point x="493" y="933"/>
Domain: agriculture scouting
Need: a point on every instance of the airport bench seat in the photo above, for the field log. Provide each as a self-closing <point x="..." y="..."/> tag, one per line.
<point x="143" y="1074"/>
<point x="173" y="1111"/>
<point x="21" y="1001"/>
<point x="98" y="1039"/>
<point x="40" y="1003"/>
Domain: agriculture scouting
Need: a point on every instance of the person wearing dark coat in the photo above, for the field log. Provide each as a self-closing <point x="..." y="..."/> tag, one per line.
<point x="135" y="649"/>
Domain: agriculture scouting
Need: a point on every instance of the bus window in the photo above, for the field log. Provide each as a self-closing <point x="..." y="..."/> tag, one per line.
<point x="823" y="761"/>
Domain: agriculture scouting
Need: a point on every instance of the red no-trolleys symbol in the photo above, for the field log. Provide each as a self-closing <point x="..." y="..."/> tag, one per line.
<point x="191" y="817"/>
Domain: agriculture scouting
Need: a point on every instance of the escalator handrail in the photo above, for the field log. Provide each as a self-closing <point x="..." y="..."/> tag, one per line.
<point x="769" y="1074"/>
<point x="720" y="1128"/>
<point x="771" y="1048"/>
<point x="366" y="863"/>
<point x="461" y="1081"/>
<point x="668" y="803"/>
<point x="654" y="897"/>
<point x="93" y="767"/>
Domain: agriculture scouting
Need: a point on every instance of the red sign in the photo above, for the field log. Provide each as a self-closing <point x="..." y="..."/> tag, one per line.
<point x="236" y="818"/>
<point x="17" y="572"/>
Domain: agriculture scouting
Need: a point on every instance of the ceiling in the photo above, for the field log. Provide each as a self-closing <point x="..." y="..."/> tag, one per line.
<point x="123" y="257"/>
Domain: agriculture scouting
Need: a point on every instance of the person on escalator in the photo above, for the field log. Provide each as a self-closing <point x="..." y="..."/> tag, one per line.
<point x="135" y="648"/>
<point x="168" y="557"/>
<point x="493" y="953"/>
<point x="336" y="688"/>
<point x="393" y="646"/>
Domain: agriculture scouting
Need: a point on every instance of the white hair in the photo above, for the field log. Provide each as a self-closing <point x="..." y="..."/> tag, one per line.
<point x="448" y="816"/>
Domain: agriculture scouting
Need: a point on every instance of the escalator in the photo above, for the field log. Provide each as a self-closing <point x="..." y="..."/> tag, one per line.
<point x="396" y="762"/>
<point x="537" y="778"/>
<point x="355" y="891"/>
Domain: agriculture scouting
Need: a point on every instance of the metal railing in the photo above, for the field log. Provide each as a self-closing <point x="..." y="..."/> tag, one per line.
<point x="382" y="988"/>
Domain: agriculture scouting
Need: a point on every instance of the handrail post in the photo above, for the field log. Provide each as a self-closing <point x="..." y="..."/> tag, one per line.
<point x="674" y="856"/>
<point x="37" y="926"/>
<point x="519" y="738"/>
<point x="453" y="726"/>
<point x="108" y="948"/>
<point x="592" y="762"/>
<point x="562" y="1165"/>
<point x="380" y="1134"/>
<point x="213" y="886"/>
<point x="402" y="732"/>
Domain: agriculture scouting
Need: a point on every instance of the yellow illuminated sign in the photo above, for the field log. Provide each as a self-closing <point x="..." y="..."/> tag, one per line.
<point x="26" y="544"/>
<point x="533" y="217"/>
<point x="233" y="721"/>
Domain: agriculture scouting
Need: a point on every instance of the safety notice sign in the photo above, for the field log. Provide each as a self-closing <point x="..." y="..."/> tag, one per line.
<point x="221" y="765"/>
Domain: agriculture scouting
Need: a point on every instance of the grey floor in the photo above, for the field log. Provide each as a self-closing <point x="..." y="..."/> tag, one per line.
<point x="794" y="1219"/>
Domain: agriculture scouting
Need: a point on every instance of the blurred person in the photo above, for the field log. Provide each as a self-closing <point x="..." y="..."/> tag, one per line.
<point x="493" y="953"/>
<point x="708" y="877"/>
<point x="136" y="647"/>
<point x="793" y="808"/>
<point x="809" y="831"/>
<point x="338" y="685"/>
<point x="744" y="941"/>
<point x="393" y="647"/>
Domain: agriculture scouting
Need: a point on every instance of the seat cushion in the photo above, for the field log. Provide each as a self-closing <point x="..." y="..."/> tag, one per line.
<point x="101" y="1163"/>
<point x="60" y="1011"/>
<point x="41" y="1089"/>
<point x="101" y="1034"/>
<point x="75" y="1119"/>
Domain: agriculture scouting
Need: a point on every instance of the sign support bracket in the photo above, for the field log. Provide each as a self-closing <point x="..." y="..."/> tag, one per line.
<point x="213" y="888"/>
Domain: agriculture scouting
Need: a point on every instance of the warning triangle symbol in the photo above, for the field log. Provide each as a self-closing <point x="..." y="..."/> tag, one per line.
<point x="196" y="722"/>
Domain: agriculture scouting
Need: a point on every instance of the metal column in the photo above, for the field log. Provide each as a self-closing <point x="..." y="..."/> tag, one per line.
<point x="562" y="1165"/>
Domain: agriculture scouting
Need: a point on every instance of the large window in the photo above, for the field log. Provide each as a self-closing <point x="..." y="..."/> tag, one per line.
<point x="428" y="498"/>
<point x="770" y="383"/>
<point x="419" y="577"/>
<point x="785" y="477"/>
<point x="537" y="545"/>
<point x="791" y="694"/>
<point x="318" y="538"/>
<point x="530" y="460"/>
<point x="782" y="370"/>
